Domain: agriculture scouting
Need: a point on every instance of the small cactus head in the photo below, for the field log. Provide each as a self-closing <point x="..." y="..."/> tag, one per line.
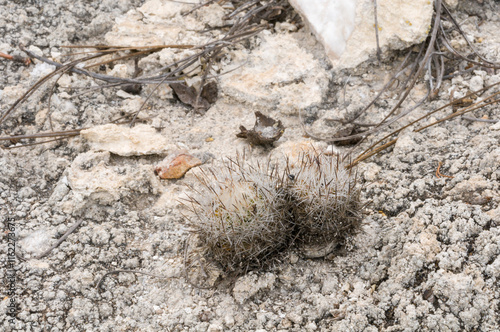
<point x="327" y="199"/>
<point x="243" y="214"/>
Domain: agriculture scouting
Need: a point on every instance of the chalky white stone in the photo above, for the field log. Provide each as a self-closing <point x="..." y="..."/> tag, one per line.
<point x="332" y="21"/>
<point x="124" y="141"/>
<point x="346" y="28"/>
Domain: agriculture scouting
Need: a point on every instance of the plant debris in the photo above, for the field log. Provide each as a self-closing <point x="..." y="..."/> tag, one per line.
<point x="176" y="165"/>
<point x="200" y="101"/>
<point x="16" y="58"/>
<point x="265" y="131"/>
<point x="349" y="130"/>
<point x="424" y="61"/>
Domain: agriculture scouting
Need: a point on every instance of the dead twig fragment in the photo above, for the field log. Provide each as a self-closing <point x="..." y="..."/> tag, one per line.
<point x="31" y="90"/>
<point x="247" y="19"/>
<point x="370" y="151"/>
<point x="61" y="240"/>
<point x="59" y="135"/>
<point x="31" y="144"/>
<point x="16" y="58"/>
<point x="101" y="77"/>
<point x="68" y="133"/>
<point x="439" y="174"/>
<point x="430" y="60"/>
<point x="470" y="118"/>
<point x="99" y="284"/>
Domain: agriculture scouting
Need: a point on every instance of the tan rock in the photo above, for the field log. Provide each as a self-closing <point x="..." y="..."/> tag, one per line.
<point x="293" y="150"/>
<point x="125" y="141"/>
<point x="279" y="73"/>
<point x="157" y="22"/>
<point x="94" y="180"/>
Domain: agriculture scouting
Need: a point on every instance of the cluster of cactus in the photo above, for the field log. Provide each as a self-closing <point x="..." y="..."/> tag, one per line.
<point x="247" y="213"/>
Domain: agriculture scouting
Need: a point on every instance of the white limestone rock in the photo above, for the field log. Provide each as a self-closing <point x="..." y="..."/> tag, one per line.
<point x="95" y="181"/>
<point x="279" y="73"/>
<point x="125" y="141"/>
<point x="346" y="27"/>
<point x="36" y="242"/>
<point x="332" y="21"/>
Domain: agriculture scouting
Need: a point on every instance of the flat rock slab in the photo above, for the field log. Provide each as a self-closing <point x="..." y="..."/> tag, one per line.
<point x="125" y="141"/>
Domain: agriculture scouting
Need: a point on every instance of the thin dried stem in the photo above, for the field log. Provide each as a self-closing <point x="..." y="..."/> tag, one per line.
<point x="44" y="79"/>
<point x="376" y="29"/>
<point x="480" y="104"/>
<point x="68" y="133"/>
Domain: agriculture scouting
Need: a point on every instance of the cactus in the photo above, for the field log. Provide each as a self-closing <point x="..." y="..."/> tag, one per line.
<point x="242" y="213"/>
<point x="328" y="207"/>
<point x="246" y="213"/>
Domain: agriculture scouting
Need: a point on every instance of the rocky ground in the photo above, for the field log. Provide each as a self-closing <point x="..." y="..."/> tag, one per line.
<point x="428" y="256"/>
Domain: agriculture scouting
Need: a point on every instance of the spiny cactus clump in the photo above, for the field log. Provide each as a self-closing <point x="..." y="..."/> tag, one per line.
<point x="243" y="214"/>
<point x="328" y="209"/>
<point x="248" y="213"/>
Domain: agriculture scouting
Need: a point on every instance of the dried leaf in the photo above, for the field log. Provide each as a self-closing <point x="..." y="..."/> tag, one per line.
<point x="210" y="92"/>
<point x="265" y="131"/>
<point x="188" y="95"/>
<point x="176" y="165"/>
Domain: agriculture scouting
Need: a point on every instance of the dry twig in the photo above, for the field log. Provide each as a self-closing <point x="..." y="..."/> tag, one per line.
<point x="431" y="61"/>
<point x="243" y="27"/>
<point x="61" y="240"/>
<point x="16" y="58"/>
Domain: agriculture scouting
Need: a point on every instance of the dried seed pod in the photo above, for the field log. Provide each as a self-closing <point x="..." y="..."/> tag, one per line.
<point x="265" y="131"/>
<point x="243" y="214"/>
<point x="328" y="207"/>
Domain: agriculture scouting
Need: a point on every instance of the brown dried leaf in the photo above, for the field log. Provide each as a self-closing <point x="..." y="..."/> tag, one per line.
<point x="188" y="95"/>
<point x="176" y="165"/>
<point x="265" y="131"/>
<point x="210" y="92"/>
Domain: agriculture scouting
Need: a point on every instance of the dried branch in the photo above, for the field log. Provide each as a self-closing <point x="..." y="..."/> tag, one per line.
<point x="432" y="62"/>
<point x="242" y="28"/>
<point x="370" y="151"/>
<point x="61" y="240"/>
